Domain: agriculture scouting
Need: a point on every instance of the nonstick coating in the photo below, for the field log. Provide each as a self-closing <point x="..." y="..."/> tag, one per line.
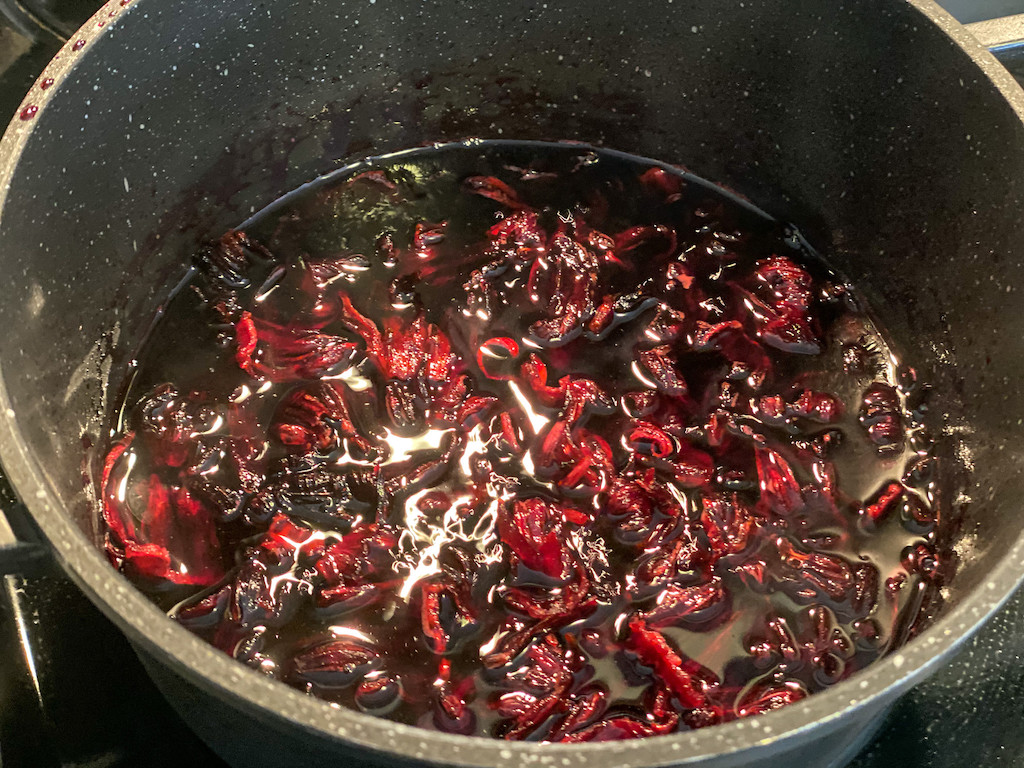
<point x="877" y="126"/>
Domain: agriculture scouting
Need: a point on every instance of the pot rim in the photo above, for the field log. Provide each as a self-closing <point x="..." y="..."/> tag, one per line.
<point x="877" y="684"/>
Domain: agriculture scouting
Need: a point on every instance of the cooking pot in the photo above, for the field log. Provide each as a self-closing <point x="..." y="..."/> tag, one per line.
<point x="879" y="127"/>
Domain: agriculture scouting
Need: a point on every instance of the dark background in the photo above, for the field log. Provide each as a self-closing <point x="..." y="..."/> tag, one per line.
<point x="72" y="694"/>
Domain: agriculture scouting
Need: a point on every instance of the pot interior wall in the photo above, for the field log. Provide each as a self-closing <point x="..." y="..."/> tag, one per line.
<point x="863" y="124"/>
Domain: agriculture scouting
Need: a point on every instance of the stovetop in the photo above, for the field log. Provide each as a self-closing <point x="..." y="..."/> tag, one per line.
<point x="73" y="694"/>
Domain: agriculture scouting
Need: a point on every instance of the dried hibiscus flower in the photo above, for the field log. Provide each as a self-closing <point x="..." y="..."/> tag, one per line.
<point x="564" y="448"/>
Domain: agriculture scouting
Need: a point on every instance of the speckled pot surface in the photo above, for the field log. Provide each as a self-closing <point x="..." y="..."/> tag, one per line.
<point x="879" y="127"/>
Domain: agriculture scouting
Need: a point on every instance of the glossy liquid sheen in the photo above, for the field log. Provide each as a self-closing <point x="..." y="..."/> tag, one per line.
<point x="530" y="441"/>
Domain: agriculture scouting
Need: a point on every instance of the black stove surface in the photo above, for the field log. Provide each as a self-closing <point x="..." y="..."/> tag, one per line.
<point x="73" y="694"/>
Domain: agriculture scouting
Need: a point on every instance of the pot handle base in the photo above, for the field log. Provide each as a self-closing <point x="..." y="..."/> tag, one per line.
<point x="19" y="557"/>
<point x="22" y="547"/>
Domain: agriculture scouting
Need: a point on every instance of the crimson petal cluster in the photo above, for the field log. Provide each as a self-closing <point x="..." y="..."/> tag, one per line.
<point x="451" y="515"/>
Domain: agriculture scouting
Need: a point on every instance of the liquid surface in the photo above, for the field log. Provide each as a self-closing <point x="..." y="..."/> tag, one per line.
<point x="529" y="441"/>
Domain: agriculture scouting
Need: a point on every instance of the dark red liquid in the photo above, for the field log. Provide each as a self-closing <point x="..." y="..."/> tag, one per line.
<point x="527" y="441"/>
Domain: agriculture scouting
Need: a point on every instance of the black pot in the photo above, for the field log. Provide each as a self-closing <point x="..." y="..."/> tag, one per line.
<point x="879" y="127"/>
